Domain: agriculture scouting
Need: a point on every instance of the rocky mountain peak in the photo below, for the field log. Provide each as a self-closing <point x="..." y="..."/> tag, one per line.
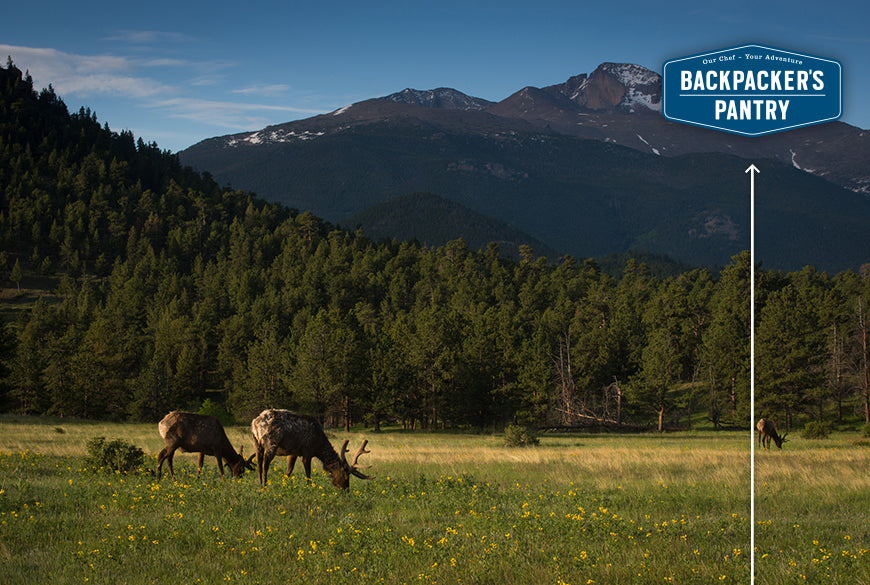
<point x="442" y="98"/>
<point x="614" y="86"/>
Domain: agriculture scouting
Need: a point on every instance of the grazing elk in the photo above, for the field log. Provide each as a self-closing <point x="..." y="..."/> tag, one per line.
<point x="281" y="432"/>
<point x="767" y="431"/>
<point x="197" y="433"/>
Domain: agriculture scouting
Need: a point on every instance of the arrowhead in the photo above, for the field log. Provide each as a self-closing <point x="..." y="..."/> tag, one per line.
<point x="752" y="168"/>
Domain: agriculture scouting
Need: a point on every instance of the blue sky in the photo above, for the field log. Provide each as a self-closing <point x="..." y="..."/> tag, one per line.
<point x="179" y="72"/>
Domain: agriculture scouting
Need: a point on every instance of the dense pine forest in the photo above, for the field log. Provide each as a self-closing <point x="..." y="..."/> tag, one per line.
<point x="170" y="292"/>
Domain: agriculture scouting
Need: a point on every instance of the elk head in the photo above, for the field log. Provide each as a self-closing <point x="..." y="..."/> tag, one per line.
<point x="341" y="477"/>
<point x="240" y="465"/>
<point x="779" y="440"/>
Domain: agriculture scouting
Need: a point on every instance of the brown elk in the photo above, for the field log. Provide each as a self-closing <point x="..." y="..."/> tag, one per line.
<point x="767" y="431"/>
<point x="197" y="433"/>
<point x="282" y="432"/>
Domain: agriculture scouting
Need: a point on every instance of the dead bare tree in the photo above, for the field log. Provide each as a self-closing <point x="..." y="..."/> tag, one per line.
<point x="197" y="433"/>
<point x="567" y="404"/>
<point x="282" y="432"/>
<point x="613" y="394"/>
<point x="767" y="431"/>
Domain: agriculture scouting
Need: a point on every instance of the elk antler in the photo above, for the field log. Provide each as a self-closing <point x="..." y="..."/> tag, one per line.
<point x="361" y="451"/>
<point x="353" y="467"/>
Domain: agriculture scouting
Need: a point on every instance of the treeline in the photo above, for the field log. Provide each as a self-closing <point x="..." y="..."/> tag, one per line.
<point x="338" y="326"/>
<point x="173" y="292"/>
<point x="812" y="355"/>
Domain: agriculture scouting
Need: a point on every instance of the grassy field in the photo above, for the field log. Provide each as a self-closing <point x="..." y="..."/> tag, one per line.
<point x="443" y="508"/>
<point x="813" y="512"/>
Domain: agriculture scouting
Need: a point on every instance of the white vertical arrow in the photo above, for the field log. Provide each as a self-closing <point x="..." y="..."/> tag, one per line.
<point x="752" y="170"/>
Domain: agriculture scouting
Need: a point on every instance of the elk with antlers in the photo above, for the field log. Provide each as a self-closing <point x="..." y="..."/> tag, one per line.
<point x="767" y="431"/>
<point x="197" y="433"/>
<point x="281" y="432"/>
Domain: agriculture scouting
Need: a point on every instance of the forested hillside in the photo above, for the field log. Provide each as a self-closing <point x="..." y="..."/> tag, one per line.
<point x="174" y="293"/>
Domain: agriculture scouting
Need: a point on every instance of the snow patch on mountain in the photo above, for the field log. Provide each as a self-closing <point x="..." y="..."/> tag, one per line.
<point x="653" y="149"/>
<point x="271" y="136"/>
<point x="632" y="75"/>
<point x="634" y="98"/>
<point x="642" y="86"/>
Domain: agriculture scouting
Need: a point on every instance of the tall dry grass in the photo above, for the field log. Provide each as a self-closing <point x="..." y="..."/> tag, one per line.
<point x="604" y="459"/>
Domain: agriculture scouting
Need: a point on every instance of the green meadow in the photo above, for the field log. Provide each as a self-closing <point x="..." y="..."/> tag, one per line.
<point x="443" y="508"/>
<point x="813" y="512"/>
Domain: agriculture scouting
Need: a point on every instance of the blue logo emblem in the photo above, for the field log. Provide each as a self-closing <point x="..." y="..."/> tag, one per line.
<point x="752" y="90"/>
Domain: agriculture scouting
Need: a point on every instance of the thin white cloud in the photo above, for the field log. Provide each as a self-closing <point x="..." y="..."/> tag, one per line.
<point x="148" y="37"/>
<point x="233" y="115"/>
<point x="264" y="90"/>
<point x="94" y="76"/>
<point x="207" y="80"/>
<point x="165" y="63"/>
<point x="84" y="75"/>
<point x="57" y="61"/>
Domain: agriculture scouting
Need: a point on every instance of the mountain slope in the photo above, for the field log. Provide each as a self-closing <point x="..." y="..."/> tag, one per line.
<point x="622" y="103"/>
<point x="434" y="221"/>
<point x="588" y="167"/>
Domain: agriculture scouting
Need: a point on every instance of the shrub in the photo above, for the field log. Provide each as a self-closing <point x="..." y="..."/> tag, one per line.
<point x="519" y="436"/>
<point x="865" y="430"/>
<point x="816" y="430"/>
<point x="114" y="455"/>
<point x="211" y="408"/>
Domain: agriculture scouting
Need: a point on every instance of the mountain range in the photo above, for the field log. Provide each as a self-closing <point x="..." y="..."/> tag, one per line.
<point x="587" y="167"/>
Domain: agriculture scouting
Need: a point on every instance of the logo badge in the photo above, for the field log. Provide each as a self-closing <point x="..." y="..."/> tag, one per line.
<point x="752" y="90"/>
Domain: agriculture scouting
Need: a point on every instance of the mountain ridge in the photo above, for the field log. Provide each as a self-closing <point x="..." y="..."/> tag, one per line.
<point x="617" y="102"/>
<point x="442" y="97"/>
<point x="541" y="155"/>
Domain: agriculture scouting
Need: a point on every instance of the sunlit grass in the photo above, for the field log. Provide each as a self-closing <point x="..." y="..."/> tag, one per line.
<point x="443" y="508"/>
<point x="813" y="512"/>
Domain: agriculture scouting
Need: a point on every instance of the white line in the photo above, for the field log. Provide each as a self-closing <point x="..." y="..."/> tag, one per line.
<point x="753" y="95"/>
<point x="752" y="170"/>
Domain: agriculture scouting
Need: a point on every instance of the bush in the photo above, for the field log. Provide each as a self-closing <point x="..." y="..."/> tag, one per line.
<point x="211" y="408"/>
<point x="519" y="436"/>
<point x="816" y="430"/>
<point x="114" y="455"/>
<point x="865" y="430"/>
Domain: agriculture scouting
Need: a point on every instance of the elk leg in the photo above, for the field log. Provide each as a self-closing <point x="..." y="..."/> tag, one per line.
<point x="306" y="462"/>
<point x="260" y="452"/>
<point x="200" y="461"/>
<point x="291" y="462"/>
<point x="220" y="464"/>
<point x="161" y="457"/>
<point x="267" y="459"/>
<point x="169" y="457"/>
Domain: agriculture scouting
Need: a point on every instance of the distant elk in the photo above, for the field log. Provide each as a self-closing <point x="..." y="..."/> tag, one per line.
<point x="197" y="433"/>
<point x="767" y="431"/>
<point x="282" y="432"/>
